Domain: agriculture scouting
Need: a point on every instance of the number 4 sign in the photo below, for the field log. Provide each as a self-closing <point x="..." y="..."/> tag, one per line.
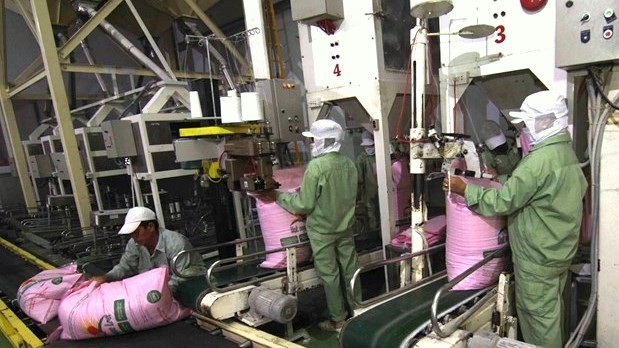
<point x="337" y="71"/>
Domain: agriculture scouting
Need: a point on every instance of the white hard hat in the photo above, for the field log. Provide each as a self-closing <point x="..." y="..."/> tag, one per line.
<point x="135" y="216"/>
<point x="538" y="104"/>
<point x="323" y="129"/>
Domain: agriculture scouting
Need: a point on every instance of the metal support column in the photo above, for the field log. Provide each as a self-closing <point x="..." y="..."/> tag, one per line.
<point x="11" y="127"/>
<point x="49" y="52"/>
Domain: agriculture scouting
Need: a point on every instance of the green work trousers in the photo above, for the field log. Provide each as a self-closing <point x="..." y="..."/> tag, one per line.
<point x="540" y="308"/>
<point x="335" y="260"/>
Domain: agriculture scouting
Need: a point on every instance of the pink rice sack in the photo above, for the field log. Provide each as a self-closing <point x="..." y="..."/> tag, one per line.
<point x="279" y="227"/>
<point x="435" y="230"/>
<point x="469" y="235"/>
<point x="40" y="295"/>
<point x="138" y="303"/>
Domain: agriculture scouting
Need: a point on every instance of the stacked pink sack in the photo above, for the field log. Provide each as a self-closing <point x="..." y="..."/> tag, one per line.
<point x="469" y="235"/>
<point x="39" y="296"/>
<point x="434" y="232"/>
<point x="279" y="227"/>
<point x="138" y="303"/>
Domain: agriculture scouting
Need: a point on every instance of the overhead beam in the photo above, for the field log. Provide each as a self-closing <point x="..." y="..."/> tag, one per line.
<point x="151" y="40"/>
<point x="51" y="61"/>
<point x="12" y="130"/>
<point x="28" y="76"/>
<point x="87" y="28"/>
<point x="103" y="69"/>
<point x="26" y="15"/>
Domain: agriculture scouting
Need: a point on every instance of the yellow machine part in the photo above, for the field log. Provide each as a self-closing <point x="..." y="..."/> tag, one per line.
<point x="12" y="328"/>
<point x="219" y="130"/>
<point x="15" y="331"/>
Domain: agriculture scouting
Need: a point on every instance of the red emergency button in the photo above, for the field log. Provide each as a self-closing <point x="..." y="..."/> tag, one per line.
<point x="608" y="33"/>
<point x="532" y="5"/>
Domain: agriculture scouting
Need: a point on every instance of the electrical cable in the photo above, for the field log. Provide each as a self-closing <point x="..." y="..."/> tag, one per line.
<point x="599" y="90"/>
<point x="598" y="121"/>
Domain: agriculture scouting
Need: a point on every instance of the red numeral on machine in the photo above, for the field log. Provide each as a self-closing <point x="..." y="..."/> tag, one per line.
<point x="500" y="34"/>
<point x="337" y="71"/>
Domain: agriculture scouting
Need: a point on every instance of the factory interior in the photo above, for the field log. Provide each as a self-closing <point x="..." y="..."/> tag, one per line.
<point x="196" y="109"/>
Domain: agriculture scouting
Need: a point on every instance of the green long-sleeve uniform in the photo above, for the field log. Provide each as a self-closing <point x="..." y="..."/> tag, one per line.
<point x="367" y="211"/>
<point x="327" y="196"/>
<point x="543" y="202"/>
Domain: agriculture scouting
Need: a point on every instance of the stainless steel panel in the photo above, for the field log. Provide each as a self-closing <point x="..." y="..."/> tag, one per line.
<point x="303" y="10"/>
<point x="118" y="139"/>
<point x="585" y="33"/>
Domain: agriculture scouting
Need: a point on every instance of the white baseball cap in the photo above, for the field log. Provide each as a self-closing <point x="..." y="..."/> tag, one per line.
<point x="135" y="216"/>
<point x="540" y="104"/>
<point x="323" y="129"/>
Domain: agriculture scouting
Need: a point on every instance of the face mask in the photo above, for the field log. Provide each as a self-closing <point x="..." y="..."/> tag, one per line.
<point x="370" y="151"/>
<point x="322" y="146"/>
<point x="528" y="136"/>
<point x="317" y="147"/>
<point x="559" y="125"/>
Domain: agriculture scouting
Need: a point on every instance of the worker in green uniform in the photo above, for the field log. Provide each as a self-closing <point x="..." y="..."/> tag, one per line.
<point x="327" y="196"/>
<point x="500" y="154"/>
<point x="367" y="211"/>
<point x="543" y="203"/>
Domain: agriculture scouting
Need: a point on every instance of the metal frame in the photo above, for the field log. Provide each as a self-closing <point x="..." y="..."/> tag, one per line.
<point x="509" y="49"/>
<point x="152" y="175"/>
<point x="367" y="80"/>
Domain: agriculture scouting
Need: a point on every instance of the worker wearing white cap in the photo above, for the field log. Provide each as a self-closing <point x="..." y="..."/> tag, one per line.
<point x="501" y="154"/>
<point x="543" y="203"/>
<point x="327" y="196"/>
<point x="367" y="211"/>
<point x="151" y="247"/>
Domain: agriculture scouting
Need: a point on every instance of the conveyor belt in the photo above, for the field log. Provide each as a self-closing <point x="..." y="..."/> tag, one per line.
<point x="14" y="271"/>
<point x="388" y="324"/>
<point x="180" y="334"/>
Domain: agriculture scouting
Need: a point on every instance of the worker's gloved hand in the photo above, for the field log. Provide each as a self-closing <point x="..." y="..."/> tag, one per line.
<point x="266" y="196"/>
<point x="454" y="184"/>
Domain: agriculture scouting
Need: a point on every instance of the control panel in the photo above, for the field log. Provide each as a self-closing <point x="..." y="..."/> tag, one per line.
<point x="283" y="108"/>
<point x="585" y="32"/>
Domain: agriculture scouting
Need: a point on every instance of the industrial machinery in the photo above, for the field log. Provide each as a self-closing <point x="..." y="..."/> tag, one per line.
<point x="202" y="171"/>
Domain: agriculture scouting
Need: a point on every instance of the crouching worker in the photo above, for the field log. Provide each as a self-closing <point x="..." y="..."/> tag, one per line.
<point x="152" y="247"/>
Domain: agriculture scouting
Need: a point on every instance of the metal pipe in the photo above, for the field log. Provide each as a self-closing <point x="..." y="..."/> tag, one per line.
<point x="91" y="61"/>
<point x="216" y="264"/>
<point x="136" y="52"/>
<point x="205" y="248"/>
<point x="150" y="39"/>
<point x="372" y="266"/>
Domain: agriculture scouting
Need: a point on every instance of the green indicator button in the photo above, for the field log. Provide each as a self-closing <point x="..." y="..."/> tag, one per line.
<point x="609" y="13"/>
